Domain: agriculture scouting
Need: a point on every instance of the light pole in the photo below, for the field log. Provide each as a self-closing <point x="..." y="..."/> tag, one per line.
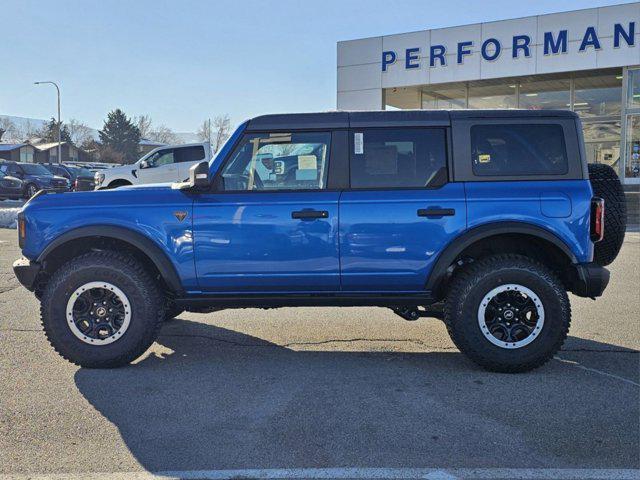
<point x="59" y="124"/>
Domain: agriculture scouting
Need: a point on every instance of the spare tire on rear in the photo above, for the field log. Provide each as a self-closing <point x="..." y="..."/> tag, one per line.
<point x="606" y="185"/>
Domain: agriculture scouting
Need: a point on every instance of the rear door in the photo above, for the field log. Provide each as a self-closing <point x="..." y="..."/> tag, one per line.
<point x="400" y="211"/>
<point x="270" y="224"/>
<point x="188" y="156"/>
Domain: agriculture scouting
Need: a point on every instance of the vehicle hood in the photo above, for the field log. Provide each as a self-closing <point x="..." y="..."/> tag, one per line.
<point x="128" y="197"/>
<point x="118" y="170"/>
<point x="46" y="179"/>
<point x="11" y="180"/>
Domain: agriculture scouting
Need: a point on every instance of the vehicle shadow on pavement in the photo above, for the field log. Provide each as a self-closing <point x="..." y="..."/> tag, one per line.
<point x="220" y="399"/>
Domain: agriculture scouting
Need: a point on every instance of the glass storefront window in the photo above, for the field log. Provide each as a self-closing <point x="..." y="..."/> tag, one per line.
<point x="598" y="93"/>
<point x="445" y="98"/>
<point x="602" y="142"/>
<point x="633" y="89"/>
<point x="492" y="95"/>
<point x="632" y="169"/>
<point x="542" y="94"/>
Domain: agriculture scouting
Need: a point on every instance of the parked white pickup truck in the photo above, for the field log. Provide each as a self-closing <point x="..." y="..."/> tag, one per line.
<point x="170" y="163"/>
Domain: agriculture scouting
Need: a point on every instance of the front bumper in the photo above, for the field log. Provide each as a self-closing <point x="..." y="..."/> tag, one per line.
<point x="588" y="279"/>
<point x="11" y="194"/>
<point x="26" y="272"/>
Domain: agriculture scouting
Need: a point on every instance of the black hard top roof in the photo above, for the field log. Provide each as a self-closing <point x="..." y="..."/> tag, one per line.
<point x="388" y="118"/>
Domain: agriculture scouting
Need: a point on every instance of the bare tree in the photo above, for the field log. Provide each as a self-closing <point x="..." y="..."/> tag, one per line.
<point x="9" y="131"/>
<point x="204" y="132"/>
<point x="221" y="131"/>
<point x="79" y="132"/>
<point x="29" y="130"/>
<point x="143" y="122"/>
<point x="163" y="134"/>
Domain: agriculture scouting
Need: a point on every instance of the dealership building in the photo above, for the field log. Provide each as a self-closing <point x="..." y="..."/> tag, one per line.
<point x="587" y="61"/>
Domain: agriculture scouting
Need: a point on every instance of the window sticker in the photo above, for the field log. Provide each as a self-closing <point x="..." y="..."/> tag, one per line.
<point x="358" y="143"/>
<point x="307" y="162"/>
<point x="484" y="158"/>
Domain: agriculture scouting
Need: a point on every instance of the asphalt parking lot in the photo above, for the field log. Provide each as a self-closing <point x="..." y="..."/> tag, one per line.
<point x="340" y="392"/>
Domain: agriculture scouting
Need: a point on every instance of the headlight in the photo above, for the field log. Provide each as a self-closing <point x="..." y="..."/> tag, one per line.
<point x="99" y="178"/>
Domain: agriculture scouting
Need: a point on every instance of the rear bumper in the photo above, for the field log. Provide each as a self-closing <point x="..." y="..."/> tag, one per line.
<point x="26" y="272"/>
<point x="588" y="279"/>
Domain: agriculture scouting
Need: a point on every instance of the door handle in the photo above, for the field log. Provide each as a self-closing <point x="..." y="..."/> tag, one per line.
<point x="436" y="212"/>
<point x="309" y="214"/>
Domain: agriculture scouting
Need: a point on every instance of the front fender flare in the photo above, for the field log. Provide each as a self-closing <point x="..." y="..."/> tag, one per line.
<point x="138" y="240"/>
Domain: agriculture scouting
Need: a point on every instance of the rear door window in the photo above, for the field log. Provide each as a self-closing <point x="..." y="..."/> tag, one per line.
<point x="189" y="154"/>
<point x="398" y="158"/>
<point x="518" y="150"/>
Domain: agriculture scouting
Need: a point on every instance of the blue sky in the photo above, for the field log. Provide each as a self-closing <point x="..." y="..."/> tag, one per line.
<point x="183" y="61"/>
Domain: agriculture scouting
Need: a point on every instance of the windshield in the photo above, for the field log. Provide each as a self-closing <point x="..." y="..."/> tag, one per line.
<point x="33" y="169"/>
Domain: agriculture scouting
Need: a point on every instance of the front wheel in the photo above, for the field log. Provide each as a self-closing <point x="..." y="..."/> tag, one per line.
<point x="507" y="313"/>
<point x="101" y="310"/>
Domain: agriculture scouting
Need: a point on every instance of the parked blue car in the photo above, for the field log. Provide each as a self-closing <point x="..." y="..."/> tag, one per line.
<point x="11" y="188"/>
<point x="35" y="177"/>
<point x="482" y="218"/>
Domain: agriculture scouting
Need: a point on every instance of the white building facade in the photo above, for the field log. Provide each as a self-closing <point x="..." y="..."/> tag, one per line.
<point x="587" y="61"/>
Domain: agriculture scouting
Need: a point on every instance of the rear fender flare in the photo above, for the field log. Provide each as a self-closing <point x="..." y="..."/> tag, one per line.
<point x="457" y="246"/>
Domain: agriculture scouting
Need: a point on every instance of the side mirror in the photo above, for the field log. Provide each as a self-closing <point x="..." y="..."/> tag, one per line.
<point x="144" y="164"/>
<point x="198" y="178"/>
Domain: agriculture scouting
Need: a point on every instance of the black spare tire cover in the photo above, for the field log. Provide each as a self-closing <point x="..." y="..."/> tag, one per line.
<point x="606" y="185"/>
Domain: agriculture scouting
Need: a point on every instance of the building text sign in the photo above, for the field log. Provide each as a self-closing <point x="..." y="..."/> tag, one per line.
<point x="553" y="43"/>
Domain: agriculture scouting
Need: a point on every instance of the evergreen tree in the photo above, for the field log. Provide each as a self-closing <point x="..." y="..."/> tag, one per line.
<point x="120" y="135"/>
<point x="49" y="132"/>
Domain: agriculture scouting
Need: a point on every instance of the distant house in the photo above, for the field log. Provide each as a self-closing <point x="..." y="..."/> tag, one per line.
<point x="17" y="152"/>
<point x="146" y="145"/>
<point x="48" y="152"/>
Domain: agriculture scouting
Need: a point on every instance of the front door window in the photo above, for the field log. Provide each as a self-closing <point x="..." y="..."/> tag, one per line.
<point x="278" y="161"/>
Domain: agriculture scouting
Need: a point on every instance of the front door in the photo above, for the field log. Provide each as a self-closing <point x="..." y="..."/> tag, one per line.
<point x="161" y="167"/>
<point x="400" y="211"/>
<point x="270" y="225"/>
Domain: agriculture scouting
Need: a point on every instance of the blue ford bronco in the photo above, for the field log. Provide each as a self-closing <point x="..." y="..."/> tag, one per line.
<point x="484" y="219"/>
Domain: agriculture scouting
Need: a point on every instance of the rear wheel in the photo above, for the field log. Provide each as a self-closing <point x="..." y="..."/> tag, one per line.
<point x="606" y="185"/>
<point x="101" y="310"/>
<point x="507" y="313"/>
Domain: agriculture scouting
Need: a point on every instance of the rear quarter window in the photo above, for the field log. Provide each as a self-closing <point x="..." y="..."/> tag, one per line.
<point x="518" y="150"/>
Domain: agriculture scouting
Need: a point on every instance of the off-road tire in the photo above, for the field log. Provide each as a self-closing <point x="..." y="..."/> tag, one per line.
<point x="606" y="185"/>
<point x="147" y="309"/>
<point x="172" y="311"/>
<point x="468" y="288"/>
